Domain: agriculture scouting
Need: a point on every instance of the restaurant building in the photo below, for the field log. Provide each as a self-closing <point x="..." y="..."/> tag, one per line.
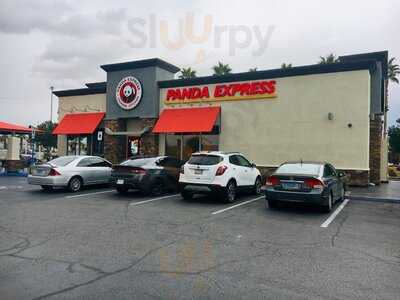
<point x="326" y="112"/>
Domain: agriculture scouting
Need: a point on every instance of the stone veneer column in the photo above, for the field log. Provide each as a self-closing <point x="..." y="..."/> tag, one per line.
<point x="375" y="144"/>
<point x="149" y="140"/>
<point x="114" y="145"/>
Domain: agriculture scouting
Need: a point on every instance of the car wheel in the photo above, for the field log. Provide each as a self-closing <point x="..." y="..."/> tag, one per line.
<point x="75" y="184"/>
<point x="272" y="204"/>
<point x="257" y="186"/>
<point x="46" y="187"/>
<point x="328" y="207"/>
<point x="230" y="192"/>
<point x="157" y="188"/>
<point x="186" y="195"/>
<point x="122" y="190"/>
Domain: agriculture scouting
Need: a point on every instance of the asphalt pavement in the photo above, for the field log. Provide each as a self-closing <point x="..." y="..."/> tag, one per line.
<point x="97" y="244"/>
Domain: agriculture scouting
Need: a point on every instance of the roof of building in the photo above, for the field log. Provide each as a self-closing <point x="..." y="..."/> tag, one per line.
<point x="380" y="56"/>
<point x="144" y="63"/>
<point x="9" y="128"/>
<point x="102" y="84"/>
<point x="81" y="92"/>
<point x="274" y="73"/>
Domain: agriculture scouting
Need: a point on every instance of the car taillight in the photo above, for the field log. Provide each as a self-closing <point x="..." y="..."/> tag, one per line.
<point x="221" y="170"/>
<point x="182" y="170"/>
<point x="138" y="171"/>
<point x="272" y="181"/>
<point x="54" y="172"/>
<point x="314" y="183"/>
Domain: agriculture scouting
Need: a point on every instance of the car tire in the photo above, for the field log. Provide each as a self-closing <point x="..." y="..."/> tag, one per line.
<point x="46" y="187"/>
<point x="230" y="192"/>
<point x="328" y="207"/>
<point x="257" y="187"/>
<point x="186" y="195"/>
<point x="272" y="204"/>
<point x="157" y="188"/>
<point x="75" y="184"/>
<point x="122" y="190"/>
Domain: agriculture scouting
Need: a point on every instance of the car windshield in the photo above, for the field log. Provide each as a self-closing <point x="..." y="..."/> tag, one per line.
<point x="138" y="162"/>
<point x="299" y="168"/>
<point x="204" y="159"/>
<point x="62" y="161"/>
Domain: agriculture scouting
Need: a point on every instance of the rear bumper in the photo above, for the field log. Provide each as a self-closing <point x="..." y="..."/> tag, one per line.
<point x="136" y="182"/>
<point x="314" y="197"/>
<point x="200" y="188"/>
<point x="48" y="180"/>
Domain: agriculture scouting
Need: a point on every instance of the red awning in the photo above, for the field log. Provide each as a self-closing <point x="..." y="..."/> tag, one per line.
<point x="83" y="123"/>
<point x="185" y="120"/>
<point x="9" y="128"/>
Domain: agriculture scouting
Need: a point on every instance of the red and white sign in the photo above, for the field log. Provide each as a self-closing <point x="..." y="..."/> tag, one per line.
<point x="128" y="93"/>
<point x="222" y="92"/>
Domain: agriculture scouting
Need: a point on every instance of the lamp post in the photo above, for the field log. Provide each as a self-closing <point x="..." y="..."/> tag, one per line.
<point x="51" y="103"/>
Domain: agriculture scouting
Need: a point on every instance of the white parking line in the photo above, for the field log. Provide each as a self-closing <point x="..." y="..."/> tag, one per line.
<point x="237" y="205"/>
<point x="334" y="214"/>
<point x="88" y="194"/>
<point x="3" y="187"/>
<point x="151" y="200"/>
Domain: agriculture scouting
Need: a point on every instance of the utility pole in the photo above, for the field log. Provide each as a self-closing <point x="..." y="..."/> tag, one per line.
<point x="51" y="103"/>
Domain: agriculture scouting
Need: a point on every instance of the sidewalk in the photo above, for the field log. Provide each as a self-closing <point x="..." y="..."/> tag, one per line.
<point x="388" y="192"/>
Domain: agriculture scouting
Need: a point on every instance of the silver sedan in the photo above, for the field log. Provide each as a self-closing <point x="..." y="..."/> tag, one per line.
<point x="71" y="172"/>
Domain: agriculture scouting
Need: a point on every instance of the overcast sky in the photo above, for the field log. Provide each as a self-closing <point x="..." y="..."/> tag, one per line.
<point x="61" y="43"/>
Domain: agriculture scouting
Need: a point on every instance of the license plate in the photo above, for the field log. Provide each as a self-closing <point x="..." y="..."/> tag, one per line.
<point x="198" y="172"/>
<point x="291" y="186"/>
<point x="120" y="181"/>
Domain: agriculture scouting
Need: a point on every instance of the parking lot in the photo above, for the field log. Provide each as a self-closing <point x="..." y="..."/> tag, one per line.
<point x="97" y="244"/>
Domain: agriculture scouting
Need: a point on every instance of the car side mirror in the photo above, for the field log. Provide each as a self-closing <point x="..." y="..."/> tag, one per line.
<point x="341" y="174"/>
<point x="253" y="165"/>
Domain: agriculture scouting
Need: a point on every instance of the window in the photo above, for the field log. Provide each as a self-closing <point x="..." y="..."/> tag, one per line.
<point x="190" y="145"/>
<point x="98" y="162"/>
<point x="173" y="145"/>
<point x="205" y="160"/>
<point x="243" y="162"/>
<point x="299" y="168"/>
<point x="234" y="160"/>
<point x="85" y="162"/>
<point x="170" y="162"/>
<point x="209" y="142"/>
<point x="78" y="145"/>
<point x="138" y="162"/>
<point x="329" y="171"/>
<point x="62" y="161"/>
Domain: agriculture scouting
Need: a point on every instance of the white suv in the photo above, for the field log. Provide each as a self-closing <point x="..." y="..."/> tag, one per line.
<point x="218" y="172"/>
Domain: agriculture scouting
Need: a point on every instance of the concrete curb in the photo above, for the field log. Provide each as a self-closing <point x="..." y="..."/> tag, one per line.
<point x="373" y="199"/>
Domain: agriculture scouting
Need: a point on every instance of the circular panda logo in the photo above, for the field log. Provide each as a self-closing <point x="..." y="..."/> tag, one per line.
<point x="128" y="93"/>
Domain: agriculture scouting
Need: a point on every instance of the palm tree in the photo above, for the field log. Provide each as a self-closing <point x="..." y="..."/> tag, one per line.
<point x="286" y="66"/>
<point x="253" y="69"/>
<point x="393" y="70"/>
<point x="187" y="73"/>
<point x="221" y="69"/>
<point x="329" y="59"/>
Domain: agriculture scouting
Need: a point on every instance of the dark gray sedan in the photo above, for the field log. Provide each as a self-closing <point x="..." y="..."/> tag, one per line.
<point x="311" y="182"/>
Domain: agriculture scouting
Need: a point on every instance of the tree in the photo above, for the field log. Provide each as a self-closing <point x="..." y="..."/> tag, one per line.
<point x="394" y="139"/>
<point x="286" y="66"/>
<point x="187" y="73"/>
<point x="253" y="69"/>
<point x="393" y="70"/>
<point x="328" y="59"/>
<point x="46" y="138"/>
<point x="221" y="69"/>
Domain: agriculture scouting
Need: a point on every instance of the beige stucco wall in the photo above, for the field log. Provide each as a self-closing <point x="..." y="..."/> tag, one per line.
<point x="77" y="104"/>
<point x="295" y="124"/>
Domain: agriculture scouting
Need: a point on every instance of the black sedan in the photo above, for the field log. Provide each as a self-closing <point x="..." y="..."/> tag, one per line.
<point x="310" y="182"/>
<point x="151" y="175"/>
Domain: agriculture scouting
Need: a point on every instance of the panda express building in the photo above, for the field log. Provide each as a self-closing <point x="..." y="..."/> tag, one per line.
<point x="333" y="112"/>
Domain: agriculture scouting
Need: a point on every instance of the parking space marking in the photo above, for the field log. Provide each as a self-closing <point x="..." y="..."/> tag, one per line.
<point x="237" y="205"/>
<point x="151" y="200"/>
<point x="89" y="194"/>
<point x="3" y="187"/>
<point x="334" y="214"/>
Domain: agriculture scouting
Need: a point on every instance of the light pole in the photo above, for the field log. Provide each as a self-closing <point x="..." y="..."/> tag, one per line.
<point x="51" y="103"/>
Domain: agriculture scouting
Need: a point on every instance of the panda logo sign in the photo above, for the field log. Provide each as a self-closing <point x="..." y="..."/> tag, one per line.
<point x="128" y="93"/>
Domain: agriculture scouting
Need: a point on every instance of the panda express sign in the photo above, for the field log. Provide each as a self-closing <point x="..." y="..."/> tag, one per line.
<point x="222" y="92"/>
